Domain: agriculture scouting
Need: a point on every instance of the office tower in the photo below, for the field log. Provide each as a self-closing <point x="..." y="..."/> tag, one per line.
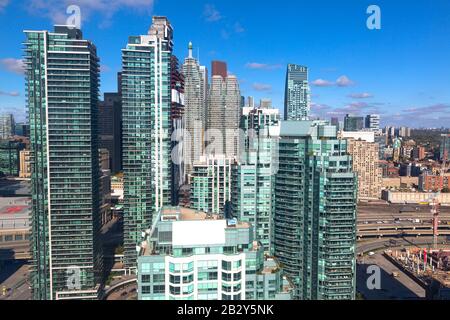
<point x="419" y="153"/>
<point x="254" y="177"/>
<point x="193" y="255"/>
<point x="353" y="123"/>
<point x="445" y="147"/>
<point x="315" y="211"/>
<point x="211" y="184"/>
<point x="223" y="116"/>
<point x="10" y="157"/>
<point x="219" y="68"/>
<point x="335" y="122"/>
<point x="265" y="104"/>
<point x="195" y="93"/>
<point x="297" y="98"/>
<point x="110" y="129"/>
<point x="25" y="164"/>
<point x="373" y="122"/>
<point x="365" y="165"/>
<point x="147" y="125"/>
<point x="7" y="126"/>
<point x="242" y="102"/>
<point x="62" y="83"/>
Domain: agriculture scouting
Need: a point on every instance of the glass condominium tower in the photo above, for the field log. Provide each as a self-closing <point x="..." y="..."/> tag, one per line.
<point x="62" y="85"/>
<point x="297" y="99"/>
<point x="254" y="177"/>
<point x="315" y="211"/>
<point x="147" y="128"/>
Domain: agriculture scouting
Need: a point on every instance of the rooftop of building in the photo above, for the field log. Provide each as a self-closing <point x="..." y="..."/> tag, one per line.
<point x="186" y="214"/>
<point x="14" y="213"/>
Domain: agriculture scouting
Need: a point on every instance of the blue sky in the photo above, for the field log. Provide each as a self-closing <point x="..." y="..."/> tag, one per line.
<point x="401" y="71"/>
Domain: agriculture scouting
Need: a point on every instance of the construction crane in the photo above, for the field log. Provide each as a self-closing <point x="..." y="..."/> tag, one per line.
<point x="435" y="210"/>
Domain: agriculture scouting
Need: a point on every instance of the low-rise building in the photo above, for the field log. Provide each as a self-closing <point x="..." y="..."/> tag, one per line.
<point x="433" y="183"/>
<point x="414" y="197"/>
<point x="25" y="164"/>
<point x="192" y="255"/>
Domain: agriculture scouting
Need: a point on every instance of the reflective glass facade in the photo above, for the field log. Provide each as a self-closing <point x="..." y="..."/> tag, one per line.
<point x="147" y="127"/>
<point x="62" y="81"/>
<point x="315" y="211"/>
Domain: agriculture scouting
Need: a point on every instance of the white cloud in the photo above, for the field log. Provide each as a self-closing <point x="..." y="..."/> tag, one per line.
<point x="10" y="94"/>
<point x="262" y="66"/>
<point x="211" y="14"/>
<point x="13" y="65"/>
<point x="262" y="87"/>
<point x="344" y="81"/>
<point x="364" y="95"/>
<point x="56" y="9"/>
<point x="3" y="4"/>
<point x="322" y="83"/>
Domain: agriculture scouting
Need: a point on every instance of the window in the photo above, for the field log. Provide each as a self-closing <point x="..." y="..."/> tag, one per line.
<point x="146" y="290"/>
<point x="226" y="276"/>
<point x="175" y="279"/>
<point x="145" y="278"/>
<point x="226" y="297"/>
<point x="159" y="289"/>
<point x="159" y="278"/>
<point x="188" y="289"/>
<point x="175" y="290"/>
<point x="188" y="267"/>
<point x="188" y="279"/>
<point x="174" y="267"/>
<point x="237" y="276"/>
<point x="226" y="265"/>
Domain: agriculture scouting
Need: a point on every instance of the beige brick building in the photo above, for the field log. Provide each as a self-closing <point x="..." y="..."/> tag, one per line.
<point x="365" y="164"/>
<point x="25" y="164"/>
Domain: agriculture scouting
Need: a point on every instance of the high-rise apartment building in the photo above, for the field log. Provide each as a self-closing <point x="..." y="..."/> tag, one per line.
<point x="353" y="123"/>
<point x="224" y="113"/>
<point x="445" y="147"/>
<point x="7" y="126"/>
<point x="147" y="128"/>
<point x="254" y="177"/>
<point x="211" y="184"/>
<point x="193" y="255"/>
<point x="365" y="165"/>
<point x="62" y="84"/>
<point x="195" y="92"/>
<point x="315" y="211"/>
<point x="110" y="129"/>
<point x="373" y="122"/>
<point x="297" y="100"/>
